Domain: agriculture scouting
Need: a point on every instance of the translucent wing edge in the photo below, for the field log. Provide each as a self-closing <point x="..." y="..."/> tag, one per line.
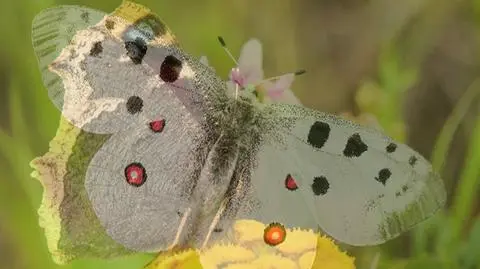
<point x="52" y="30"/>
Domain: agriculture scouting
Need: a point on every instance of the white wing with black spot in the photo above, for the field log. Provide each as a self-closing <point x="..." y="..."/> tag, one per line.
<point x="103" y="63"/>
<point x="358" y="185"/>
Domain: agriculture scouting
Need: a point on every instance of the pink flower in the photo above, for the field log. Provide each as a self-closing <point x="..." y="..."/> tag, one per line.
<point x="248" y="75"/>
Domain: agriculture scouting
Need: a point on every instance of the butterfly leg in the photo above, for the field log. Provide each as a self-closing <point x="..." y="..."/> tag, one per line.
<point x="207" y="199"/>
<point x="180" y="228"/>
<point x="236" y="91"/>
<point x="214" y="223"/>
<point x="225" y="215"/>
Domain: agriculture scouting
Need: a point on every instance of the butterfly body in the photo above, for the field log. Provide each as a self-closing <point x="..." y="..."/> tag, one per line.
<point x="183" y="158"/>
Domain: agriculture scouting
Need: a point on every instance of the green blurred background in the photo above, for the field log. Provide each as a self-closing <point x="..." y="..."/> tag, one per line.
<point x="412" y="66"/>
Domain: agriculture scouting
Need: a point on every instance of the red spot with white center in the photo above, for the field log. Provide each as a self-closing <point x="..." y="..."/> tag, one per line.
<point x="157" y="126"/>
<point x="274" y="234"/>
<point x="135" y="174"/>
<point x="290" y="183"/>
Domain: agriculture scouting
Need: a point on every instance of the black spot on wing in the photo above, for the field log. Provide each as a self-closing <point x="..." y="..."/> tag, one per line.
<point x="96" y="49"/>
<point x="412" y="161"/>
<point x="320" y="185"/>
<point x="170" y="69"/>
<point x="383" y="175"/>
<point x="136" y="50"/>
<point x="391" y="147"/>
<point x="134" y="104"/>
<point x="355" y="146"/>
<point x="318" y="134"/>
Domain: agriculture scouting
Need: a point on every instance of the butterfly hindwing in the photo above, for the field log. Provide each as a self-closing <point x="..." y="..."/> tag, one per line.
<point x="358" y="185"/>
<point x="140" y="177"/>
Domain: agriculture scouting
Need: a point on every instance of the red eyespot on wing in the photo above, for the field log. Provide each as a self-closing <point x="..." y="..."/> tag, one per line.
<point x="157" y="126"/>
<point x="290" y="183"/>
<point x="274" y="234"/>
<point x="135" y="174"/>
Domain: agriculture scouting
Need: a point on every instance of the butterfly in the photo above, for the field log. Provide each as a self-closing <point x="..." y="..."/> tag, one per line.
<point x="160" y="154"/>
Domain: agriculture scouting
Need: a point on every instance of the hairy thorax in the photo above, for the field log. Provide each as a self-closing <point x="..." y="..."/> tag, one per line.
<point x="241" y="121"/>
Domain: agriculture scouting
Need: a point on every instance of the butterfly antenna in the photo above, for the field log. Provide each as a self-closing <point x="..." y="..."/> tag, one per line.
<point x="224" y="46"/>
<point x="296" y="73"/>
<point x="300" y="72"/>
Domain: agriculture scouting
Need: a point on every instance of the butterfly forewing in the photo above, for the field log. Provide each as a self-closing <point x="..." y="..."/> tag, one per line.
<point x="52" y="31"/>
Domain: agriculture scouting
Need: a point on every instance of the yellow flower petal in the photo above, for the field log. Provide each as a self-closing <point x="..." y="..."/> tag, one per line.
<point x="238" y="266"/>
<point x="266" y="262"/>
<point x="329" y="256"/>
<point x="248" y="231"/>
<point x="273" y="262"/>
<point x="219" y="254"/>
<point x="302" y="249"/>
<point x="306" y="260"/>
<point x="186" y="259"/>
<point x="298" y="241"/>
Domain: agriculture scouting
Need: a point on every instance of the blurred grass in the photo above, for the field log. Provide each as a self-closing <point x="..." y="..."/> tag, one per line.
<point x="445" y="241"/>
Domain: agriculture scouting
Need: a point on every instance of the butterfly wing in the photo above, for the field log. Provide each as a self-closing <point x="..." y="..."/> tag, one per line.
<point x="155" y="102"/>
<point x="358" y="185"/>
<point x="98" y="100"/>
<point x="52" y="30"/>
<point x="140" y="183"/>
